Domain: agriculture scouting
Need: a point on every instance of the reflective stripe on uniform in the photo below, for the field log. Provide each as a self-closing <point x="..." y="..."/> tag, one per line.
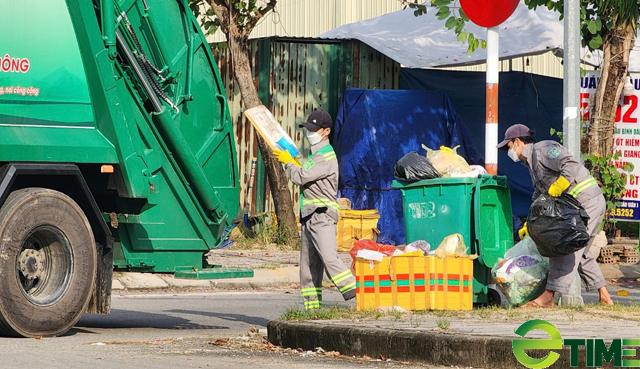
<point x="330" y="155"/>
<point x="313" y="304"/>
<point x="324" y="202"/>
<point x="342" y="276"/>
<point x="582" y="186"/>
<point x="313" y="291"/>
<point x="349" y="287"/>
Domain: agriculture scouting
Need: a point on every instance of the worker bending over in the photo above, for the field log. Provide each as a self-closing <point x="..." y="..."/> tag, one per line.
<point x="555" y="171"/>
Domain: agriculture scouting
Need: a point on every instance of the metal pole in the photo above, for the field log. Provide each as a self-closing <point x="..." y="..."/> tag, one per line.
<point x="570" y="117"/>
<point x="491" y="124"/>
<point x="571" y="80"/>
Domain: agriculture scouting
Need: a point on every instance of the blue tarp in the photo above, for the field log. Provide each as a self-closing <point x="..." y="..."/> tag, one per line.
<point x="524" y="98"/>
<point x="375" y="128"/>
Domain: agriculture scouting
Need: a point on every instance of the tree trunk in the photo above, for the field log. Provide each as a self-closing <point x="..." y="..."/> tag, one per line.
<point x="616" y="48"/>
<point x="277" y="179"/>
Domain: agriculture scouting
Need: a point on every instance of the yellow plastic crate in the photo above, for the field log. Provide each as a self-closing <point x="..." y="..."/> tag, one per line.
<point x="356" y="225"/>
<point x="415" y="283"/>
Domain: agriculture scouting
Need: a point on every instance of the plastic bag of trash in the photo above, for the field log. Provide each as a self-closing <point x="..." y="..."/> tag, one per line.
<point x="476" y="171"/>
<point x="522" y="274"/>
<point x="413" y="167"/>
<point x="420" y="245"/>
<point x="452" y="245"/>
<point x="370" y="245"/>
<point x="385" y="250"/>
<point x="447" y="161"/>
<point x="557" y="225"/>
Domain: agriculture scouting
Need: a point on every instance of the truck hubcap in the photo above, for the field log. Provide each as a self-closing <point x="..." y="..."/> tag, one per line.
<point x="45" y="265"/>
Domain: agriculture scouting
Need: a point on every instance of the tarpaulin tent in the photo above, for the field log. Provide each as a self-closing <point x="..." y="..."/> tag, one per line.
<point x="375" y="128"/>
<point x="525" y="98"/>
<point x="423" y="41"/>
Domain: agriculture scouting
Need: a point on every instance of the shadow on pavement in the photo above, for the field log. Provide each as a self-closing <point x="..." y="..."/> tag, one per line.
<point x="226" y="316"/>
<point x="137" y="319"/>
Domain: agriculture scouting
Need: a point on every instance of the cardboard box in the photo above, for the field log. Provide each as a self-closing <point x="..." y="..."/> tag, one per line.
<point x="356" y="225"/>
<point x="415" y="283"/>
<point x="345" y="204"/>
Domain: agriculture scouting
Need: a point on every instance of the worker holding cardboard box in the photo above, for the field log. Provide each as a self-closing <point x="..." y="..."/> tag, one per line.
<point x="319" y="214"/>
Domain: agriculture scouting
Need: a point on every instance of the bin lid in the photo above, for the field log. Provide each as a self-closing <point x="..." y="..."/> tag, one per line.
<point x="435" y="182"/>
<point x="448" y="181"/>
<point x="359" y="212"/>
<point x="493" y="219"/>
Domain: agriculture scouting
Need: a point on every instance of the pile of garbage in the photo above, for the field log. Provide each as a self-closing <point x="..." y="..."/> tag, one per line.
<point x="451" y="246"/>
<point x="522" y="274"/>
<point x="438" y="163"/>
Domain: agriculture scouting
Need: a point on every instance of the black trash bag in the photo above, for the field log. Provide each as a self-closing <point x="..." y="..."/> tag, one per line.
<point x="558" y="225"/>
<point x="414" y="167"/>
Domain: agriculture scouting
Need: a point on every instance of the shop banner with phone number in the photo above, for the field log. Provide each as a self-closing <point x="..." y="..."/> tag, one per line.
<point x="626" y="140"/>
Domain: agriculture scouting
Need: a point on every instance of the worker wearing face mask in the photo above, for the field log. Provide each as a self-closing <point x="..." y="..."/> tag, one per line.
<point x="318" y="181"/>
<point x="555" y="171"/>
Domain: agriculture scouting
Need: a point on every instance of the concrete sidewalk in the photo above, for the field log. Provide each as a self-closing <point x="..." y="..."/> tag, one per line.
<point x="470" y="340"/>
<point x="276" y="269"/>
<point x="480" y="338"/>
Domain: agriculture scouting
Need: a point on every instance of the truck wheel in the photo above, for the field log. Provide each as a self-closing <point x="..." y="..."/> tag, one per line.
<point x="47" y="263"/>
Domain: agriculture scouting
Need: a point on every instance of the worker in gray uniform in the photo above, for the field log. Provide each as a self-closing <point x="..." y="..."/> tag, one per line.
<point x="318" y="181"/>
<point x="555" y="171"/>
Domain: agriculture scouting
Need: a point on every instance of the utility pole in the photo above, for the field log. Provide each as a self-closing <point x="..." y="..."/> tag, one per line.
<point x="570" y="102"/>
<point x="571" y="80"/>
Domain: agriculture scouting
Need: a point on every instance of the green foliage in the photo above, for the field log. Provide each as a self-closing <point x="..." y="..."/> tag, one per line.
<point x="243" y="11"/>
<point x="597" y="17"/>
<point x="611" y="180"/>
<point x="560" y="135"/>
<point x="454" y="19"/>
<point x="443" y="324"/>
<point x="205" y="15"/>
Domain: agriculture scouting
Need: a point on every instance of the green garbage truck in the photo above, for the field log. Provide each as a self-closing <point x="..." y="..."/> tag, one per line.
<point x="116" y="151"/>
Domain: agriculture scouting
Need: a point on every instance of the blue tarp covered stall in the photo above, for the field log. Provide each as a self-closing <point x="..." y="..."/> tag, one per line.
<point x="524" y="98"/>
<point x="375" y="128"/>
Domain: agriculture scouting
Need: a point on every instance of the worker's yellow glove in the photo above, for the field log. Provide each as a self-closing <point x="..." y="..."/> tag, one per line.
<point x="558" y="187"/>
<point x="522" y="233"/>
<point x="284" y="157"/>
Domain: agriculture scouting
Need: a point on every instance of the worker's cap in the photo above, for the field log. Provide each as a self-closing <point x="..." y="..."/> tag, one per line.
<point x="515" y="131"/>
<point x="318" y="119"/>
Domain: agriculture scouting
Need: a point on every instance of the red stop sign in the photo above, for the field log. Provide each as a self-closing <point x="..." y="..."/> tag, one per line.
<point x="488" y="13"/>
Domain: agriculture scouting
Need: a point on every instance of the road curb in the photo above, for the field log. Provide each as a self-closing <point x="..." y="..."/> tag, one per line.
<point x="263" y="278"/>
<point x="405" y="345"/>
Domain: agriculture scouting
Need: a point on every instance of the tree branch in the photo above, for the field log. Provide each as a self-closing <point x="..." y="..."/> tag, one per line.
<point x="221" y="9"/>
<point x="248" y="28"/>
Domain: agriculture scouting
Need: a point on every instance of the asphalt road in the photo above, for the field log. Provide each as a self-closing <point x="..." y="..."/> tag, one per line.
<point x="181" y="330"/>
<point x="168" y="330"/>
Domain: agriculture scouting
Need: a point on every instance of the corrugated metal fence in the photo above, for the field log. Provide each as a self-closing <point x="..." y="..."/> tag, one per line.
<point x="311" y="18"/>
<point x="295" y="77"/>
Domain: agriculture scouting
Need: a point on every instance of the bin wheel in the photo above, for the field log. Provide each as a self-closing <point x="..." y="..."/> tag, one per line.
<point x="47" y="263"/>
<point x="493" y="297"/>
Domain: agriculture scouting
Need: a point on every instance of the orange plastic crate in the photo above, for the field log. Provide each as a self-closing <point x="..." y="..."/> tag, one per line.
<point x="415" y="283"/>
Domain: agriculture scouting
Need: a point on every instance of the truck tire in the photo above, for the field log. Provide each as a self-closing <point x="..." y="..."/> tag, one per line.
<point x="47" y="263"/>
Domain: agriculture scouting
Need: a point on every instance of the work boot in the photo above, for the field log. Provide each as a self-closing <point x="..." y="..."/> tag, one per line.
<point x="349" y="295"/>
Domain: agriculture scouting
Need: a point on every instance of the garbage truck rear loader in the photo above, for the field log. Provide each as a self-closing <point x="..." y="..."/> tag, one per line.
<point x="116" y="149"/>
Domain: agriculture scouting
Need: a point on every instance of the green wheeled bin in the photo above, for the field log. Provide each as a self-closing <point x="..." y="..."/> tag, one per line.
<point x="477" y="208"/>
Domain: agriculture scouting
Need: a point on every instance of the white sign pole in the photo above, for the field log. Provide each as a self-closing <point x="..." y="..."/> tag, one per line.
<point x="491" y="124"/>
